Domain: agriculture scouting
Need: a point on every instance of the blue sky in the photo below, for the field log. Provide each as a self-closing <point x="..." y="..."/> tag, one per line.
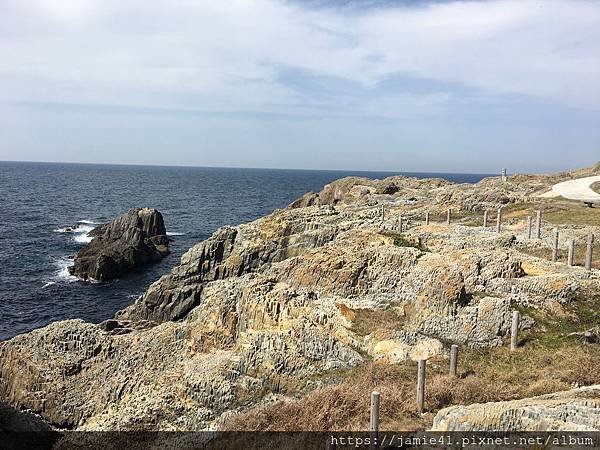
<point x="391" y="85"/>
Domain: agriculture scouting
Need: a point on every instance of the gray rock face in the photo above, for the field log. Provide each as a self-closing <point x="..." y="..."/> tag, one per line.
<point x="574" y="410"/>
<point x="231" y="252"/>
<point x="134" y="239"/>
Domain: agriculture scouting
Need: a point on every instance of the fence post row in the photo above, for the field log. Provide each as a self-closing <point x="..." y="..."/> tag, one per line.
<point x="499" y="221"/>
<point x="555" y="245"/>
<point x="571" y="255"/>
<point x="421" y="385"/>
<point x="538" y="224"/>
<point x="589" y="253"/>
<point x="529" y="227"/>
<point x="514" y="332"/>
<point x="453" y="360"/>
<point x="375" y="412"/>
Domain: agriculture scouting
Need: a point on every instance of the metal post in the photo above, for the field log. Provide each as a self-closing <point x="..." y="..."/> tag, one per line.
<point x="538" y="224"/>
<point x="374" y="412"/>
<point x="529" y="227"/>
<point x="555" y="246"/>
<point x="499" y="221"/>
<point x="421" y="385"/>
<point x="571" y="256"/>
<point x="449" y="217"/>
<point x="453" y="360"/>
<point x="514" y="331"/>
<point x="485" y="219"/>
<point x="504" y="177"/>
<point x="427" y="218"/>
<point x="589" y="253"/>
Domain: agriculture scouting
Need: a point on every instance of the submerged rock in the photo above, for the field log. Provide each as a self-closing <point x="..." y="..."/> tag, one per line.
<point x="132" y="240"/>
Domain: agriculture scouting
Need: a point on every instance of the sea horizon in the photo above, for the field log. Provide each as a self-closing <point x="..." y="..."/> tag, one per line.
<point x="184" y="166"/>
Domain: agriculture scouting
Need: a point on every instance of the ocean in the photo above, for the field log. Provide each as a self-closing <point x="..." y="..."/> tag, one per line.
<point x="38" y="201"/>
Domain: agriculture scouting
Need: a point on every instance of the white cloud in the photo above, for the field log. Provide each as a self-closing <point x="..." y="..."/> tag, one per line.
<point x="233" y="55"/>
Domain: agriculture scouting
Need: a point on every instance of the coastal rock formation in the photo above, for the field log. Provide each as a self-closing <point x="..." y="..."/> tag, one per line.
<point x="134" y="239"/>
<point x="574" y="410"/>
<point x="269" y="308"/>
<point x="250" y="336"/>
<point x="232" y="252"/>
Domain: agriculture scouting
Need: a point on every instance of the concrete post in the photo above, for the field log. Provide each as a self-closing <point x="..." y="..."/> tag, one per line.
<point x="449" y="216"/>
<point x="453" y="360"/>
<point x="499" y="221"/>
<point x="427" y="218"/>
<point x="571" y="256"/>
<point x="538" y="224"/>
<point x="514" y="331"/>
<point x="374" y="412"/>
<point x="589" y="253"/>
<point x="421" y="385"/>
<point x="555" y="245"/>
<point x="529" y="227"/>
<point x="485" y="219"/>
<point x="504" y="176"/>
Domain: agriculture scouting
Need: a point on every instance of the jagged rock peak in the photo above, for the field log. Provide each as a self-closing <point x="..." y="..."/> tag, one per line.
<point x="132" y="240"/>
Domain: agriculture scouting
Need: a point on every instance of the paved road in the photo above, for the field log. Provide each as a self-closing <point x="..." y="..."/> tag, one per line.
<point x="578" y="189"/>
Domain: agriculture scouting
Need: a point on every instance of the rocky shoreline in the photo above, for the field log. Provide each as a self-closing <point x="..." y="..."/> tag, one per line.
<point x="261" y="311"/>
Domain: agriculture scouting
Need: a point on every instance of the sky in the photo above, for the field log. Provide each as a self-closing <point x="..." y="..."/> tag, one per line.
<point x="430" y="86"/>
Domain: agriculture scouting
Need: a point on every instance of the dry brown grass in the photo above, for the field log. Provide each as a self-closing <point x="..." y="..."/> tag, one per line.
<point x="548" y="360"/>
<point x="485" y="376"/>
<point x="557" y="211"/>
<point x="578" y="256"/>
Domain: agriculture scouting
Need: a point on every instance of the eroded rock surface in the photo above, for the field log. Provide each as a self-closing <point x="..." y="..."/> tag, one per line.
<point x="132" y="240"/>
<point x="574" y="410"/>
<point x="264" y="309"/>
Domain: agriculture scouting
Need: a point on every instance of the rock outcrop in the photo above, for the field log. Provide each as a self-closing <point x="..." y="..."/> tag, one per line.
<point x="232" y="252"/>
<point x="574" y="410"/>
<point x="132" y="240"/>
<point x="265" y="309"/>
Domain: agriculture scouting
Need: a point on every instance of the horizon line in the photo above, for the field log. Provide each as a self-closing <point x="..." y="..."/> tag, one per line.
<point x="248" y="168"/>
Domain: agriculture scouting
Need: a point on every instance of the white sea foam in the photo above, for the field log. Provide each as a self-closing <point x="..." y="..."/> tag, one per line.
<point x="81" y="232"/>
<point x="172" y="233"/>
<point x="49" y="283"/>
<point x="62" y="273"/>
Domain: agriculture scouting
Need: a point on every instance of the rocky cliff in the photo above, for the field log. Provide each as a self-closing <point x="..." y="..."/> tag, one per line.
<point x="265" y="309"/>
<point x="132" y="240"/>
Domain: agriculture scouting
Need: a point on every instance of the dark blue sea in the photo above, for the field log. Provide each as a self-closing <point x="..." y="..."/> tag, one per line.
<point x="39" y="200"/>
